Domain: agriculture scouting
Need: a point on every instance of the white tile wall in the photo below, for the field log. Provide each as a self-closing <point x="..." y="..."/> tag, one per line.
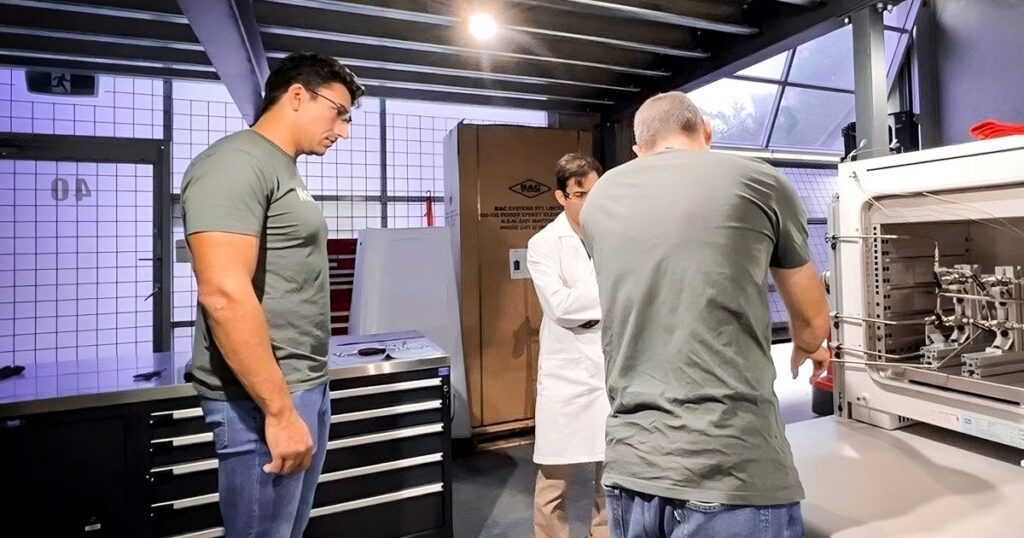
<point x="75" y="244"/>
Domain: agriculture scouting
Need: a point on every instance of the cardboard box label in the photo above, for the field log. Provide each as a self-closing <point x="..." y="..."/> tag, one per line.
<point x="518" y="218"/>
<point x="517" y="264"/>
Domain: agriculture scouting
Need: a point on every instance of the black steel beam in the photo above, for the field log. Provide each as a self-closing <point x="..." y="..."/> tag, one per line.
<point x="56" y="59"/>
<point x="228" y="31"/>
<point x="409" y="35"/>
<point x="674" y="13"/>
<point x="101" y="66"/>
<point x="447" y="61"/>
<point x="478" y="99"/>
<point x="81" y="148"/>
<point x="72" y="46"/>
<point x="482" y="85"/>
<point x="169" y="7"/>
<point x="725" y="11"/>
<point x="789" y="26"/>
<point x="530" y="18"/>
<point x="101" y="50"/>
<point x="163" y="237"/>
<point x="63" y="18"/>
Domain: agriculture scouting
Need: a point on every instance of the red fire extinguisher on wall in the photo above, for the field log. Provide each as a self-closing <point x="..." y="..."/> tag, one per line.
<point x="429" y="203"/>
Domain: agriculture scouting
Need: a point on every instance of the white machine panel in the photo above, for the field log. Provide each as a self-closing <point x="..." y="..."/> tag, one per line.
<point x="405" y="280"/>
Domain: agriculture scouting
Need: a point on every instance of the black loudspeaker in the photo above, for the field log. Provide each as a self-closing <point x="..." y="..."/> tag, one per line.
<point x="849" y="138"/>
<point x="850" y="149"/>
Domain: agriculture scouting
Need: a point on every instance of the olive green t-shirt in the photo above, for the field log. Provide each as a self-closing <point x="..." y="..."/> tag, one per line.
<point x="245" y="184"/>
<point x="682" y="242"/>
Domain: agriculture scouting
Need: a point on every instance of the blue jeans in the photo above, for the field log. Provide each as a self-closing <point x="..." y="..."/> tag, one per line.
<point x="254" y="504"/>
<point x="638" y="515"/>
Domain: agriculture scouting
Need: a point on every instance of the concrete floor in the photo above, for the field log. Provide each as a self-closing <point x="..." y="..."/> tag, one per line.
<point x="493" y="489"/>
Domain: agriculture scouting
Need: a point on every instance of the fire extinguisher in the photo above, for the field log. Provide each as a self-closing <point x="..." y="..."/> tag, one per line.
<point x="430" y="210"/>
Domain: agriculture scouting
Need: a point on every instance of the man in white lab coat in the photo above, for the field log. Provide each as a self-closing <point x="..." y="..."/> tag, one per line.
<point x="572" y="404"/>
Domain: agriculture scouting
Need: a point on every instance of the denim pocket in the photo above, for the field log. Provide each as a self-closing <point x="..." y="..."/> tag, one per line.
<point x="215" y="416"/>
<point x="707" y="508"/>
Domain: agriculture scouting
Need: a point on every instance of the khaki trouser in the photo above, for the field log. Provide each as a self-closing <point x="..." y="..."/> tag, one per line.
<point x="549" y="515"/>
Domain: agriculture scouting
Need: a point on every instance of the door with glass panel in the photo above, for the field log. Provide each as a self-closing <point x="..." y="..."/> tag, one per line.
<point x="80" y="260"/>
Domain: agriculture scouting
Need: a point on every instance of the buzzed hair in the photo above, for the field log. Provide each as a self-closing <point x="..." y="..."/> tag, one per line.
<point x="663" y="115"/>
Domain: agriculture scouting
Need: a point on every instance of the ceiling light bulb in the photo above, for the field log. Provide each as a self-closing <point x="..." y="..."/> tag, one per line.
<point x="482" y="26"/>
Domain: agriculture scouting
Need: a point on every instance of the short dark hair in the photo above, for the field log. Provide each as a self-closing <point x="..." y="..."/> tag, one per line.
<point x="313" y="71"/>
<point x="575" y="166"/>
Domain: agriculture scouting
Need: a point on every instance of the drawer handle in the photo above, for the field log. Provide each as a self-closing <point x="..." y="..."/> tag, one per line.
<point x="385" y="436"/>
<point x="179" y="414"/>
<point x="380" y="499"/>
<point x="186" y="468"/>
<point x="187" y="439"/>
<point x="381" y="467"/>
<point x="383" y="389"/>
<point x="386" y="411"/>
<point x="190" y="502"/>
<point x="208" y="533"/>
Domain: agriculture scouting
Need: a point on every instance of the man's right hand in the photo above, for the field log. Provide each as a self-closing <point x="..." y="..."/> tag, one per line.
<point x="820" y="358"/>
<point x="291" y="447"/>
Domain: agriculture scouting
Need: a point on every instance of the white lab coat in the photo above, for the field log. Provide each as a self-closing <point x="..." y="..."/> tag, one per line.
<point x="572" y="404"/>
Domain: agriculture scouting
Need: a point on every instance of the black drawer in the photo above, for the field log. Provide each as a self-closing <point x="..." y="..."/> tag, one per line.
<point x="166" y="452"/>
<point x="384" y="423"/>
<point x="170" y="521"/>
<point x="354" y="382"/>
<point x="386" y="395"/>
<point x="386" y="450"/>
<point x="402" y="517"/>
<point x="177" y="422"/>
<point x="378" y="483"/>
<point x="183" y="481"/>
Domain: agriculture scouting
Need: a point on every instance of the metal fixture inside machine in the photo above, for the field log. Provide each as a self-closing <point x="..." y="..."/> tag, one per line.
<point x="929" y="289"/>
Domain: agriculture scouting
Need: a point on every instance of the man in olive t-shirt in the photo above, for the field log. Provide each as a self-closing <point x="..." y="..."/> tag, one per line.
<point x="259" y="252"/>
<point x="682" y="241"/>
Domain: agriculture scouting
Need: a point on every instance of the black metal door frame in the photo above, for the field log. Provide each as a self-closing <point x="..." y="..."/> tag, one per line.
<point x="156" y="152"/>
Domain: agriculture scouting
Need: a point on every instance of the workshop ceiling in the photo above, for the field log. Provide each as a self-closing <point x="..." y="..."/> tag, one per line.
<point x="602" y="56"/>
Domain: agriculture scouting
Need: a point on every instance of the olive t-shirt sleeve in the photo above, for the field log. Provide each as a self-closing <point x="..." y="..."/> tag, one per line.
<point x="791" y="250"/>
<point x="225" y="192"/>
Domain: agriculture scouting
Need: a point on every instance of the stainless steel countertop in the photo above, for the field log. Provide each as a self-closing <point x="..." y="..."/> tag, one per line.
<point x="68" y="385"/>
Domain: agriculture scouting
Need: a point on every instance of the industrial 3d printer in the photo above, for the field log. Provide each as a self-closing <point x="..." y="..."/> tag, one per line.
<point x="927" y="289"/>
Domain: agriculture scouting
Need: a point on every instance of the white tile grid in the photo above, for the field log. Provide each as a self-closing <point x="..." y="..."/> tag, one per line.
<point x="415" y="143"/>
<point x="352" y="166"/>
<point x="195" y="125"/>
<point x="413" y="214"/>
<point x="778" y="308"/>
<point x="72" y="284"/>
<point x="124" y="107"/>
<point x="820" y="249"/>
<point x="816" y="186"/>
<point x="203" y="113"/>
<point x="183" y="283"/>
<point x="182" y="338"/>
<point x="345" y="219"/>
